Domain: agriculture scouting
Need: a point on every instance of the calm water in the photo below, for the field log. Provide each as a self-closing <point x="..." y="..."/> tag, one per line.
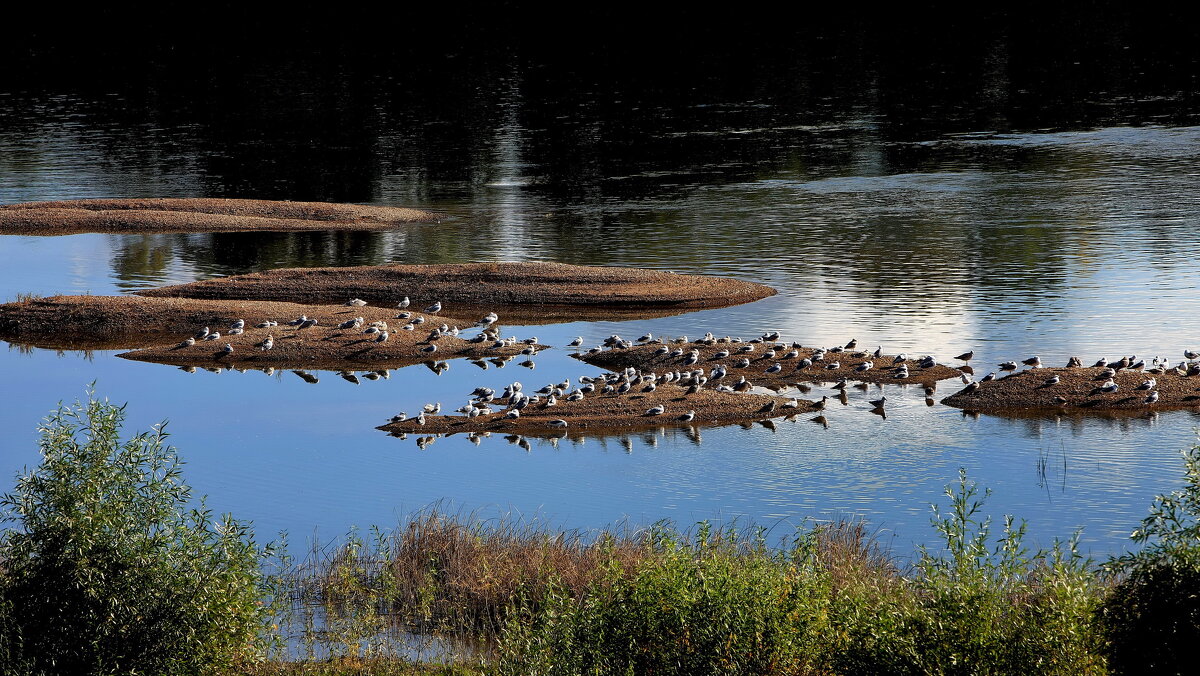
<point x="1048" y="210"/>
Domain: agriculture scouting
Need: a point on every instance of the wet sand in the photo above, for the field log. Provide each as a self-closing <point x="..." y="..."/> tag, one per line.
<point x="159" y="324"/>
<point x="1027" y="389"/>
<point x="514" y="290"/>
<point x="611" y="412"/>
<point x="646" y="358"/>
<point x="163" y="215"/>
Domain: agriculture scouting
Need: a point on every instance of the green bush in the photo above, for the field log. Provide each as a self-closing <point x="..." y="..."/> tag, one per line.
<point x="1152" y="618"/>
<point x="107" y="570"/>
<point x="717" y="604"/>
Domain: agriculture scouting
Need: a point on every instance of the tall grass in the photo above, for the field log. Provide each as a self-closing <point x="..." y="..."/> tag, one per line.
<point x="527" y="600"/>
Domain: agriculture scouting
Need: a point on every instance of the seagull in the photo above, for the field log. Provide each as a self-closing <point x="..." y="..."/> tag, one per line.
<point x="434" y="309"/>
<point x="819" y="405"/>
<point x="399" y="417"/>
<point x="1189" y="354"/>
<point x="356" y="302"/>
<point x="433" y="409"/>
<point x="657" y="410"/>
<point x="382" y="337"/>
<point x="1053" y="380"/>
<point x="403" y="304"/>
<point x="852" y="344"/>
<point x="188" y="342"/>
<point x="966" y="356"/>
<point x="268" y="342"/>
<point x="878" y="403"/>
<point x="429" y="349"/>
<point x="513" y="414"/>
<point x="1109" y="386"/>
<point x="228" y="349"/>
<point x="558" y="423"/>
<point x="202" y="334"/>
<point x="489" y="319"/>
<point x="774" y="368"/>
<point x="577" y="342"/>
<point x="307" y="324"/>
<point x="988" y="378"/>
<point x="1008" y="366"/>
<point x="1033" y="362"/>
<point x="1153" y="397"/>
<point x="1100" y="363"/>
<point x="216" y="335"/>
<point x="688" y="417"/>
<point x="238" y="324"/>
<point x="646" y="338"/>
<point x="1148" y="385"/>
<point x="1059" y="401"/>
<point x="298" y="321"/>
<point x="351" y="323"/>
<point x="865" y="366"/>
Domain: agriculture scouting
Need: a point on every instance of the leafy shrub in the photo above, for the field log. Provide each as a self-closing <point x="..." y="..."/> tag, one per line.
<point x="107" y="570"/>
<point x="1152" y="618"/>
<point x="721" y="603"/>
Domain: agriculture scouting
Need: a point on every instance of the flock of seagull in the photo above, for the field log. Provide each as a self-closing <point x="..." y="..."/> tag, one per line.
<point x="377" y="330"/>
<point x="1158" y="366"/>
<point x="512" y="400"/>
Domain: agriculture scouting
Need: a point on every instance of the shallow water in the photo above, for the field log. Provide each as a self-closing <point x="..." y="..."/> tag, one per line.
<point x="1007" y="228"/>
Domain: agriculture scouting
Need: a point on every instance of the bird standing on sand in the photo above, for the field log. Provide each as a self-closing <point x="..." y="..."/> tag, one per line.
<point x="1033" y="362"/>
<point x="403" y="304"/>
<point x="202" y="334"/>
<point x="1074" y="363"/>
<point x="434" y="309"/>
<point x="1053" y="380"/>
<point x="1191" y="355"/>
<point x="215" y="335"/>
<point x="268" y="342"/>
<point x="382" y="337"/>
<point x="228" y="349"/>
<point x="1153" y="397"/>
<point x="558" y="423"/>
<point x="188" y="342"/>
<point x="238" y="324"/>
<point x="966" y="356"/>
<point x="657" y="410"/>
<point x="356" y="302"/>
<point x="429" y="349"/>
<point x="688" y="417"/>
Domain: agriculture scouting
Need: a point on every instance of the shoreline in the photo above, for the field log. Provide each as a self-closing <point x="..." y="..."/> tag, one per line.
<point x="199" y="215"/>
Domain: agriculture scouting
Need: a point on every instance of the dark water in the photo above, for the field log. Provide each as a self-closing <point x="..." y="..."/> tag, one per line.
<point x="997" y="191"/>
